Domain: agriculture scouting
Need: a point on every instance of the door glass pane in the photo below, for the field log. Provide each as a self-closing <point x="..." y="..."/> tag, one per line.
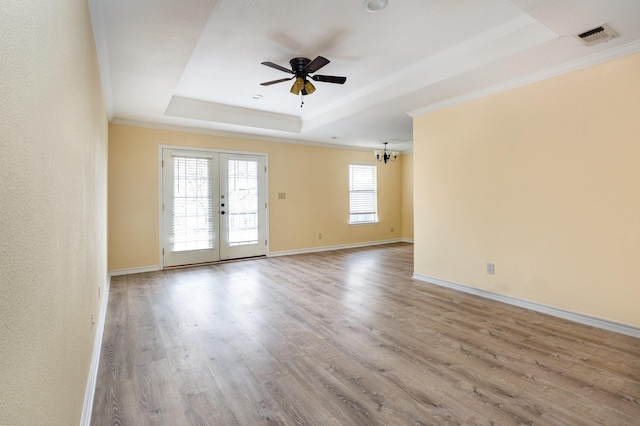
<point x="192" y="204"/>
<point x="243" y="202"/>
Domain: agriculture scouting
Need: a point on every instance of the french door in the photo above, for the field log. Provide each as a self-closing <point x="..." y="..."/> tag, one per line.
<point x="213" y="206"/>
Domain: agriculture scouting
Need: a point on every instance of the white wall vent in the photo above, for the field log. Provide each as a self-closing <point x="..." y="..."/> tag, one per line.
<point x="597" y="35"/>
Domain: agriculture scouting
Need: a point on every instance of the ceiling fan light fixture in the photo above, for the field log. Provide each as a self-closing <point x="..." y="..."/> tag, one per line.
<point x="309" y="88"/>
<point x="298" y="85"/>
<point x="374" y="5"/>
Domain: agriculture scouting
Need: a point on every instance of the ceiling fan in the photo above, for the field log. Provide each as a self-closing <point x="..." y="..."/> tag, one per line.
<point x="301" y="68"/>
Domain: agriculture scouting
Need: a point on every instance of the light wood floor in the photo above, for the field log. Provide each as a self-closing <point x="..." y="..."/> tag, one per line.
<point x="348" y="338"/>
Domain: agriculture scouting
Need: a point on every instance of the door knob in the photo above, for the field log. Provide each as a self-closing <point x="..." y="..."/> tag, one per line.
<point x="222" y="212"/>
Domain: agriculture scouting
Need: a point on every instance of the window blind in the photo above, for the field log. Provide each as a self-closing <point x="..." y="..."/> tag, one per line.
<point x="243" y="202"/>
<point x="192" y="204"/>
<point x="363" y="200"/>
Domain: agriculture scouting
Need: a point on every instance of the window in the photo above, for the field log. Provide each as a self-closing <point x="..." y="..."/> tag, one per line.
<point x="363" y="199"/>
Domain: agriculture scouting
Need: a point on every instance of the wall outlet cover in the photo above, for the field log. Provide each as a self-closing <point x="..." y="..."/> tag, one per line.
<point x="491" y="269"/>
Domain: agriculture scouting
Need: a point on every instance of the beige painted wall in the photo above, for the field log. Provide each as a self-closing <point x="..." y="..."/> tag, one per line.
<point x="407" y="197"/>
<point x="53" y="195"/>
<point x="314" y="179"/>
<point x="542" y="181"/>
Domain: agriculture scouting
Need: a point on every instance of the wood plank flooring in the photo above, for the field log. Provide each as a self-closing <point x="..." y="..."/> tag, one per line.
<point x="348" y="338"/>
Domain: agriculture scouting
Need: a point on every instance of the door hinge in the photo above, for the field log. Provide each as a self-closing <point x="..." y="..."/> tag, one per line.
<point x="265" y="205"/>
<point x="163" y="207"/>
<point x="162" y="163"/>
<point x="265" y="242"/>
<point x="265" y="169"/>
<point x="163" y="251"/>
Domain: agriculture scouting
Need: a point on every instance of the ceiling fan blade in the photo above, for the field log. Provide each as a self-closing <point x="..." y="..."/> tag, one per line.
<point x="329" y="79"/>
<point x="269" y="83"/>
<point x="276" y="66"/>
<point x="316" y="64"/>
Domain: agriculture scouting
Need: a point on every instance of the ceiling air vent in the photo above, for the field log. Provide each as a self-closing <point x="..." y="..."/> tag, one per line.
<point x="597" y="35"/>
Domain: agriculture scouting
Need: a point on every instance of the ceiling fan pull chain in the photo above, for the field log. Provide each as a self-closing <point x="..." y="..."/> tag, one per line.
<point x="301" y="99"/>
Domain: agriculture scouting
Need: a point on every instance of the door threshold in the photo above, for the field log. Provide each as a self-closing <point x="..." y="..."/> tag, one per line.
<point x="217" y="262"/>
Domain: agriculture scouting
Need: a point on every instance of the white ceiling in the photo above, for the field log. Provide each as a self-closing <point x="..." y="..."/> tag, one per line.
<point x="196" y="64"/>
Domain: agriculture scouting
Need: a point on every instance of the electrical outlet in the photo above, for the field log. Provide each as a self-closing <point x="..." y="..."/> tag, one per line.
<point x="392" y="229"/>
<point x="491" y="269"/>
<point x="319" y="236"/>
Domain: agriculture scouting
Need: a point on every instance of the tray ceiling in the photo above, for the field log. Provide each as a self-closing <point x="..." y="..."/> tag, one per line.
<point x="196" y="64"/>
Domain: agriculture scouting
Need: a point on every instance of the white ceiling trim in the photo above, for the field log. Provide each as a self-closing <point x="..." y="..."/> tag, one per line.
<point x="585" y="62"/>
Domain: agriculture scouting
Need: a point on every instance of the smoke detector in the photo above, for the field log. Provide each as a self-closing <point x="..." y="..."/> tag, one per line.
<point x="374" y="6"/>
<point x="597" y="35"/>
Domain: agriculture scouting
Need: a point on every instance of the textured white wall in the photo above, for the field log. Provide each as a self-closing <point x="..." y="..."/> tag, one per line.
<point x="53" y="165"/>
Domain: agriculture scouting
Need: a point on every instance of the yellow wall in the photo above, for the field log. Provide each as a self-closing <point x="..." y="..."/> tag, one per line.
<point x="314" y="179"/>
<point x="542" y="181"/>
<point x="53" y="195"/>
<point x="407" y="197"/>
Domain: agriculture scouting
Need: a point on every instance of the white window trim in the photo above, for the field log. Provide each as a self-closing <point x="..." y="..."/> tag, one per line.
<point x="377" y="219"/>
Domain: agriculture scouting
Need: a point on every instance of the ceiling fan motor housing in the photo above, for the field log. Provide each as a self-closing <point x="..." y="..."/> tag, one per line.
<point x="302" y="85"/>
<point x="298" y="66"/>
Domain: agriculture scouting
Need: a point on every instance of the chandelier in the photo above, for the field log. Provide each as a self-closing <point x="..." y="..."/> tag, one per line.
<point x="385" y="155"/>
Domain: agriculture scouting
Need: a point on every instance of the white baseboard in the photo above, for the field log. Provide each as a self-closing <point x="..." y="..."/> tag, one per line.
<point x="539" y="307"/>
<point x="130" y="271"/>
<point x="330" y="248"/>
<point x="90" y="391"/>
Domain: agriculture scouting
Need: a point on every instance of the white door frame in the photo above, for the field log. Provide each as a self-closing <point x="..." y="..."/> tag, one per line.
<point x="212" y="150"/>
